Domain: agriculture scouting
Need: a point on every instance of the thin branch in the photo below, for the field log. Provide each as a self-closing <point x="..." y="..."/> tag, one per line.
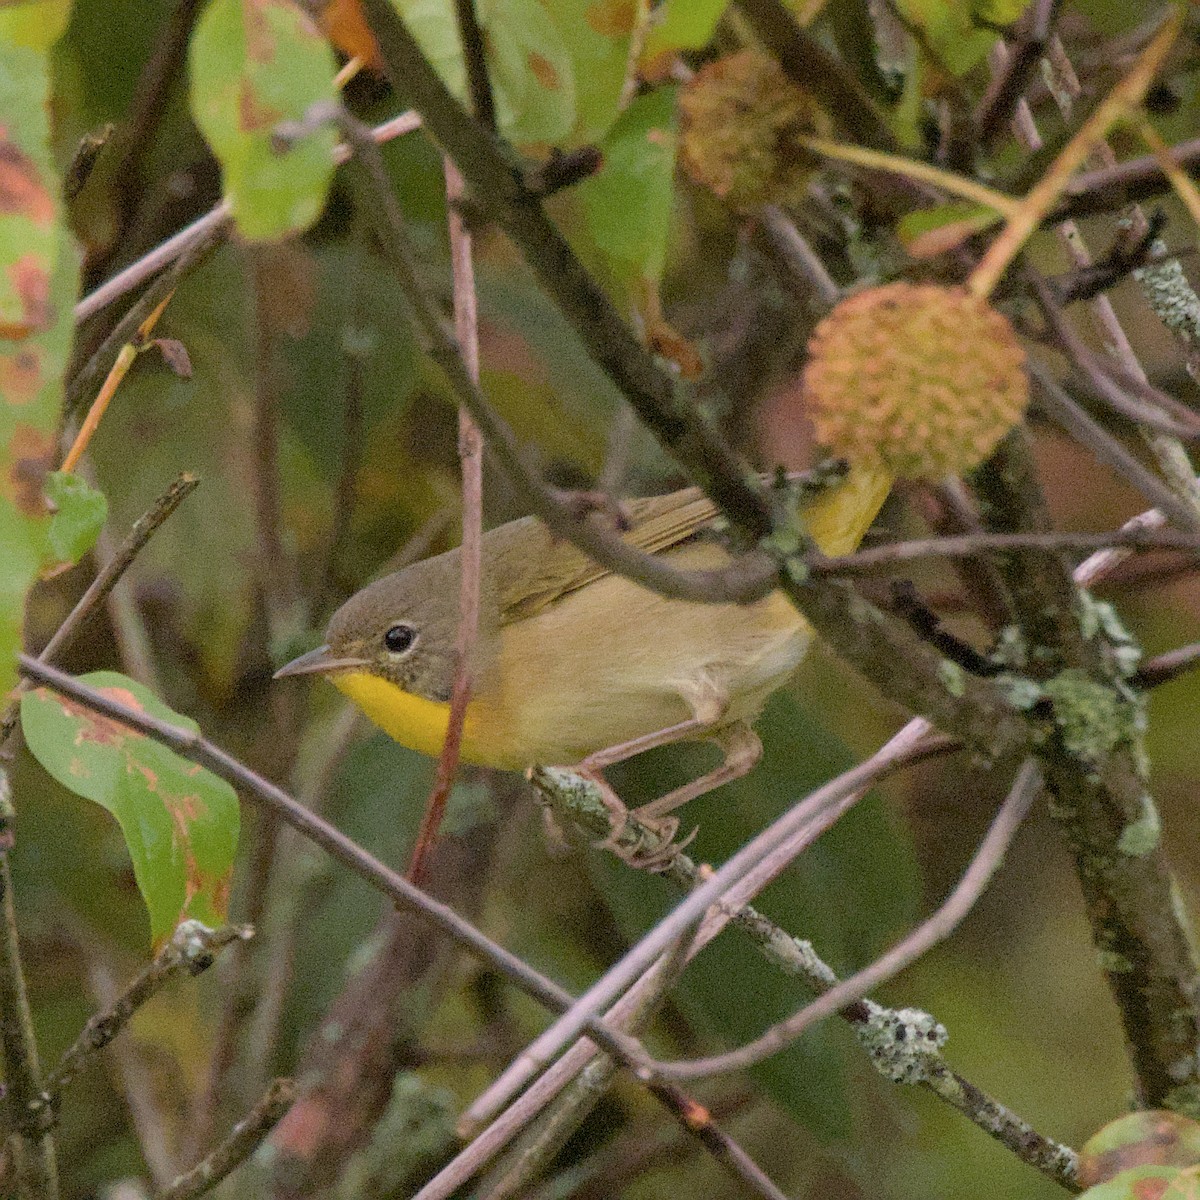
<point x="803" y="261"/>
<point x="1168" y="666"/>
<point x="807" y="62"/>
<point x="133" y="1075"/>
<point x="197" y="749"/>
<point x="1116" y="186"/>
<point x="498" y="187"/>
<point x="1014" y="77"/>
<point x="479" y="86"/>
<point x="744" y="579"/>
<point x="217" y="223"/>
<point x="575" y="806"/>
<point x="36" y="1167"/>
<point x="1065" y="412"/>
<point x="195" y="252"/>
<point x="931" y="931"/>
<point x="1044" y="194"/>
<point x="517" y="1117"/>
<point x="470" y="453"/>
<point x="193" y="949"/>
<point x="106" y="579"/>
<point x="245" y="1137"/>
<point x="641" y="956"/>
<point x="882" y="558"/>
<point x="541" y="1141"/>
<point x="214" y="224"/>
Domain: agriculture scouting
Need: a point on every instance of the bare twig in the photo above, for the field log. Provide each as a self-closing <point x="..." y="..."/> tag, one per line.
<point x="85" y="381"/>
<point x="643" y="954"/>
<point x="1107" y="449"/>
<point x="881" y="558"/>
<point x="811" y="66"/>
<point x="1114" y="186"/>
<point x="245" y="1137"/>
<point x="193" y="948"/>
<point x="744" y="579"/>
<point x="1168" y="666"/>
<point x="517" y="1117"/>
<point x="1006" y="86"/>
<point x="803" y="260"/>
<point x="136" y="132"/>
<point x="574" y="806"/>
<point x="939" y="926"/>
<point x="216" y="224"/>
<point x="479" y="86"/>
<point x="1045" y="193"/>
<point x="470" y="453"/>
<point x="33" y="1149"/>
<point x="541" y="1141"/>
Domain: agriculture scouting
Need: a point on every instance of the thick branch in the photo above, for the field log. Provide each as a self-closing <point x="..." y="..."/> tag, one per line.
<point x="1094" y="768"/>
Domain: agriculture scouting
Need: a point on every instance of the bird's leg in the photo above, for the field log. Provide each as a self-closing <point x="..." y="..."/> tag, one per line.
<point x="742" y="749"/>
<point x="738" y="742"/>
<point x="708" y="703"/>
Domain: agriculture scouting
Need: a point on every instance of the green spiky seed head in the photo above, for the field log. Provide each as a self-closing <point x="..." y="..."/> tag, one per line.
<point x="740" y="119"/>
<point x="921" y="378"/>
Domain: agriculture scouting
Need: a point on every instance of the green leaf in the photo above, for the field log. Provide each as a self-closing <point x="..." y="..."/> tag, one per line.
<point x="952" y="30"/>
<point x="1150" y="1137"/>
<point x="681" y="25"/>
<point x="530" y="69"/>
<point x="36" y="24"/>
<point x="38" y="279"/>
<point x="927" y="231"/>
<point x="254" y="65"/>
<point x="1138" y="1183"/>
<point x="599" y="37"/>
<point x="863" y="859"/>
<point x="180" y="821"/>
<point x="80" y="514"/>
<point x="638" y="177"/>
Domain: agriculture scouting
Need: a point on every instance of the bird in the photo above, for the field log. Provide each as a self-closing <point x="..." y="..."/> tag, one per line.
<point x="575" y="665"/>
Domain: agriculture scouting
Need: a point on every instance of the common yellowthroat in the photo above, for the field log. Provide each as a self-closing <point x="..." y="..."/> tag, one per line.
<point x="576" y="665"/>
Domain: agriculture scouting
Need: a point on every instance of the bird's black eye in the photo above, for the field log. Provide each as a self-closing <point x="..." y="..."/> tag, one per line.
<point x="400" y="638"/>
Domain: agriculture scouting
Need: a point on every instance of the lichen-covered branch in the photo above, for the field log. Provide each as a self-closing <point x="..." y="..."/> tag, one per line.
<point x="1078" y="658"/>
<point x="577" y="806"/>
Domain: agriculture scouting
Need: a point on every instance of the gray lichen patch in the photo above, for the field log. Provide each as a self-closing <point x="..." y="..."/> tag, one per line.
<point x="904" y="1044"/>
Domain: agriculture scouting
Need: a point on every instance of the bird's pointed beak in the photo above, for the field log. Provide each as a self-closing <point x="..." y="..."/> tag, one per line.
<point x="320" y="661"/>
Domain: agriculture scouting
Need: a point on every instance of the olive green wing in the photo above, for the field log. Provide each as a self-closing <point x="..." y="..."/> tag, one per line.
<point x="532" y="568"/>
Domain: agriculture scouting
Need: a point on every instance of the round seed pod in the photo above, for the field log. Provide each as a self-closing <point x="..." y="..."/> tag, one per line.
<point x="921" y="378"/>
<point x="740" y="119"/>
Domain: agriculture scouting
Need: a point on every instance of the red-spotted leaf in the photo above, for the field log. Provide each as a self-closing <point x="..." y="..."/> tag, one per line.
<point x="257" y="64"/>
<point x="180" y="821"/>
<point x="1138" y="1183"/>
<point x="38" y="277"/>
<point x="1149" y="1137"/>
